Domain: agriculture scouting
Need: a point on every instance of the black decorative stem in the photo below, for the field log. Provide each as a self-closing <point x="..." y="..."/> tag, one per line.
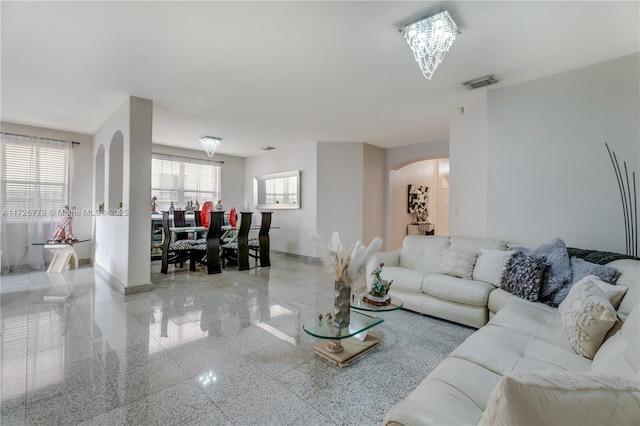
<point x="629" y="203"/>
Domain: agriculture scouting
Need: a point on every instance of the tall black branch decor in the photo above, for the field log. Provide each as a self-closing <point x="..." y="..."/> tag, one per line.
<point x="629" y="203"/>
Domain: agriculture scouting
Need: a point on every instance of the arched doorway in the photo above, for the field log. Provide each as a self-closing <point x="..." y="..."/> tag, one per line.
<point x="432" y="173"/>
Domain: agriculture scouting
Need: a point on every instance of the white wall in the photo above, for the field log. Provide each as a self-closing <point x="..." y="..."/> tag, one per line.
<point x="468" y="170"/>
<point x="374" y="184"/>
<point x="340" y="186"/>
<point x="297" y="226"/>
<point x="232" y="173"/>
<point x="123" y="243"/>
<point x="549" y="174"/>
<point x="81" y="193"/>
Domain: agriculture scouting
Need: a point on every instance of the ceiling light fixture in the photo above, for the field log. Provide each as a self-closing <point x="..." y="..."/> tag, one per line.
<point x="430" y="38"/>
<point x="210" y="144"/>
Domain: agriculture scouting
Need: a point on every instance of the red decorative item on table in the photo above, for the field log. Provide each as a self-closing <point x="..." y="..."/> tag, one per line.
<point x="233" y="217"/>
<point x="207" y="206"/>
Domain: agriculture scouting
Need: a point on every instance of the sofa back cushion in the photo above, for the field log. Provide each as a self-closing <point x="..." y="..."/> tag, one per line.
<point x="476" y="244"/>
<point x="620" y="353"/>
<point x="563" y="398"/>
<point x="423" y="253"/>
<point x="629" y="277"/>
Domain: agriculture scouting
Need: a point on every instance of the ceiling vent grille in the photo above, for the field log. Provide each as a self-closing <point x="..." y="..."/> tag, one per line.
<point x="268" y="148"/>
<point x="480" y="82"/>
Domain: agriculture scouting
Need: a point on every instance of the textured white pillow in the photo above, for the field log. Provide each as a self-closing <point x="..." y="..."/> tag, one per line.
<point x="458" y="263"/>
<point x="614" y="293"/>
<point x="490" y="265"/>
<point x="563" y="398"/>
<point x="587" y="317"/>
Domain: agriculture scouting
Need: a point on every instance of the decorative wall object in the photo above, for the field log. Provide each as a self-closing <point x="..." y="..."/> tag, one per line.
<point x="629" y="200"/>
<point x="417" y="203"/>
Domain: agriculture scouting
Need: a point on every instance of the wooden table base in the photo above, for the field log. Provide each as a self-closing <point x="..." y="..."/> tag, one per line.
<point x="351" y="349"/>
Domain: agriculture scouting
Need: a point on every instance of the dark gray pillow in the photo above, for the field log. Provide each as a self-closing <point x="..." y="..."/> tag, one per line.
<point x="522" y="276"/>
<point x="580" y="268"/>
<point x="558" y="274"/>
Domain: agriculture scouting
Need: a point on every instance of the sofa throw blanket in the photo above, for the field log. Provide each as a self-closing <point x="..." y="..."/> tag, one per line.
<point x="598" y="257"/>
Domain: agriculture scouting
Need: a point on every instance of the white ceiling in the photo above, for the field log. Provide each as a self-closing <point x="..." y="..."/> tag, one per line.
<point x="279" y="73"/>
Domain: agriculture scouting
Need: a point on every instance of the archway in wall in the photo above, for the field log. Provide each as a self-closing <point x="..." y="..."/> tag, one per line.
<point x="116" y="169"/>
<point x="99" y="180"/>
<point x="432" y="173"/>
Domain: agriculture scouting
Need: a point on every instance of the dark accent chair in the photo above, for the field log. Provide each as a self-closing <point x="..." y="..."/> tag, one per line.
<point x="259" y="247"/>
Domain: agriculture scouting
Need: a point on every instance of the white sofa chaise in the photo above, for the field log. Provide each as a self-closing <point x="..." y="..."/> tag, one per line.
<point x="521" y="341"/>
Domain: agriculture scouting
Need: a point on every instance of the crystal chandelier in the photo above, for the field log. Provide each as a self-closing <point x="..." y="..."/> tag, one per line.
<point x="210" y="144"/>
<point x="429" y="39"/>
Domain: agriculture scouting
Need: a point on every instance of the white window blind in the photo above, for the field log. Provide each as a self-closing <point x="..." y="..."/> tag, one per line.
<point x="34" y="176"/>
<point x="180" y="180"/>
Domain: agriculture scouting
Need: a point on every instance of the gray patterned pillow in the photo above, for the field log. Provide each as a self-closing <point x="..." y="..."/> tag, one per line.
<point x="522" y="276"/>
<point x="580" y="268"/>
<point x="559" y="272"/>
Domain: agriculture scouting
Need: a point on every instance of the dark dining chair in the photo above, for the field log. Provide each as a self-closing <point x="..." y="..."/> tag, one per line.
<point x="180" y="221"/>
<point x="179" y="251"/>
<point x="237" y="251"/>
<point x="259" y="247"/>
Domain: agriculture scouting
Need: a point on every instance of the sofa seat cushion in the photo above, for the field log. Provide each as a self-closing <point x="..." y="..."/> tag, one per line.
<point x="446" y="287"/>
<point x="423" y="253"/>
<point x="404" y="279"/>
<point x="455" y="393"/>
<point x="505" y="349"/>
<point x="533" y="319"/>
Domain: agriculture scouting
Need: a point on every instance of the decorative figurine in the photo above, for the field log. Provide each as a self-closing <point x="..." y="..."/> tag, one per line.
<point x="320" y="317"/>
<point x="153" y="203"/>
<point x="328" y="316"/>
<point x="197" y="207"/>
<point x="172" y="208"/>
<point x="379" y="293"/>
<point x="64" y="229"/>
<point x="219" y="205"/>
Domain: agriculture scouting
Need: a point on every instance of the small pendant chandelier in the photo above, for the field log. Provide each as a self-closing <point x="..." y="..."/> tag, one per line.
<point x="210" y="144"/>
<point x="430" y="38"/>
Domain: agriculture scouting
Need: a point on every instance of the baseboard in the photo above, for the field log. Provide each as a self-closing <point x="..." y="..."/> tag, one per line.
<point x="300" y="258"/>
<point x="119" y="286"/>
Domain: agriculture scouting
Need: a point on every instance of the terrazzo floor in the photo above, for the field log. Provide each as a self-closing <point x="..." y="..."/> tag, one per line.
<point x="199" y="349"/>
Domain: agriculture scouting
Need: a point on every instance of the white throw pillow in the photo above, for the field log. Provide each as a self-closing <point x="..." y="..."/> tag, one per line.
<point x="490" y="265"/>
<point x="614" y="293"/>
<point x="587" y="317"/>
<point x="563" y="398"/>
<point x="458" y="263"/>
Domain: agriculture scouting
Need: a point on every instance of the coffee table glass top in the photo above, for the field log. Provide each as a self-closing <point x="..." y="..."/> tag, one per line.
<point x="325" y="329"/>
<point x="358" y="303"/>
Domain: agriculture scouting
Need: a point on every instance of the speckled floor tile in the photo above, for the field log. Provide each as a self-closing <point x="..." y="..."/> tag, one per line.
<point x="221" y="349"/>
<point x="156" y="375"/>
<point x="256" y="407"/>
<point x="176" y="405"/>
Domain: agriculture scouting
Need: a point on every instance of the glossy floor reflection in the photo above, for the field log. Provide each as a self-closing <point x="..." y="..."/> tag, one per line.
<point x="199" y="349"/>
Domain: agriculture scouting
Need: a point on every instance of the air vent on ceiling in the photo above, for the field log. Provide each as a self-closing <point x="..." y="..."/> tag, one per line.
<point x="480" y="82"/>
<point x="268" y="148"/>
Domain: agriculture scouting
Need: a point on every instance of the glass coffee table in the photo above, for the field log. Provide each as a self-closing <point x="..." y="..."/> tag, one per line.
<point x="343" y="345"/>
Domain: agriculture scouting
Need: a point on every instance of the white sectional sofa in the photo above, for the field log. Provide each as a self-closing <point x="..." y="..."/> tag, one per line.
<point x="519" y="368"/>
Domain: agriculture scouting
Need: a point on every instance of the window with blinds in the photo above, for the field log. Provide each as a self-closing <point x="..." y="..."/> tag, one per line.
<point x="34" y="177"/>
<point x="180" y="180"/>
